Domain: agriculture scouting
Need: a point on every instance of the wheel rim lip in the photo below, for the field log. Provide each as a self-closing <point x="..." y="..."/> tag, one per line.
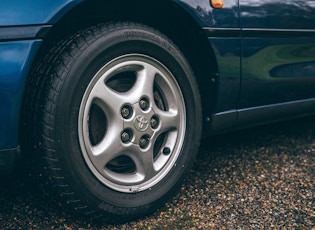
<point x="177" y="135"/>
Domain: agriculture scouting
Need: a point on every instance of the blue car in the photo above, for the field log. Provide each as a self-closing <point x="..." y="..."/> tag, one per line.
<point x="111" y="98"/>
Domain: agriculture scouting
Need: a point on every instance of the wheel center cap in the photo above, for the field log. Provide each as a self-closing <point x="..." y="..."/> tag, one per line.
<point x="141" y="123"/>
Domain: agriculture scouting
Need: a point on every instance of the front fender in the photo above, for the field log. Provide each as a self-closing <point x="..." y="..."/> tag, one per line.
<point x="33" y="12"/>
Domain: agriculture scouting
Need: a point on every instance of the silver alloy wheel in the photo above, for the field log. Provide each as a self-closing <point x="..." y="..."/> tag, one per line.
<point x="132" y="123"/>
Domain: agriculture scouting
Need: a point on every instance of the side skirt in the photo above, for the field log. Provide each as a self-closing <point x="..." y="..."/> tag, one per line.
<point x="276" y="112"/>
<point x="249" y="117"/>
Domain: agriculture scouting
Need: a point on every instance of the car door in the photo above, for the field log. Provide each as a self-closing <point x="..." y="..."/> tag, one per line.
<point x="278" y="53"/>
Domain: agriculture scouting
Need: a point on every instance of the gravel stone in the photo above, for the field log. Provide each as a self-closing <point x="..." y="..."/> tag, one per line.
<point x="260" y="178"/>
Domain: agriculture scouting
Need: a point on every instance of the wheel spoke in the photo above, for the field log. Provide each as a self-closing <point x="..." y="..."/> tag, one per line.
<point x="144" y="83"/>
<point x="169" y="120"/>
<point x="109" y="148"/>
<point x="108" y="99"/>
<point x="144" y="164"/>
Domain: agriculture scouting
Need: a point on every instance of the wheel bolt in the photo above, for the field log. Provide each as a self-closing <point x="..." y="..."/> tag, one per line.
<point x="144" y="104"/>
<point x="126" y="112"/>
<point x="154" y="122"/>
<point x="144" y="142"/>
<point x="125" y="137"/>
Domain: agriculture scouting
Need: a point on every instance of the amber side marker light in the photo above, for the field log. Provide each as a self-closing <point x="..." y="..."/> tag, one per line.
<point x="217" y="4"/>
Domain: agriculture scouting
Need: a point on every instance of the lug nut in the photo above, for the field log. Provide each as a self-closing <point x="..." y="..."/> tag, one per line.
<point x="144" y="104"/>
<point x="126" y="112"/>
<point x="144" y="142"/>
<point x="154" y="122"/>
<point x="125" y="136"/>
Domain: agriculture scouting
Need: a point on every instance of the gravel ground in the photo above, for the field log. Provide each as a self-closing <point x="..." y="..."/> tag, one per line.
<point x="261" y="178"/>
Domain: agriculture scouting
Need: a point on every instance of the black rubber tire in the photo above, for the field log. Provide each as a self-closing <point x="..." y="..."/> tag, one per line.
<point x="57" y="87"/>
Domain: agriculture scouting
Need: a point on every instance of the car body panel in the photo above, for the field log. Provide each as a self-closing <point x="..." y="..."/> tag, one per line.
<point x="278" y="51"/>
<point x="206" y="16"/>
<point x="15" y="62"/>
<point x="278" y="14"/>
<point x="33" y="12"/>
<point x="22" y="24"/>
<point x="277" y="70"/>
<point x="222" y="27"/>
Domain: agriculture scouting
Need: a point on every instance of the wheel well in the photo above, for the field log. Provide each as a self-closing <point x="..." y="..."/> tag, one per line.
<point x="165" y="16"/>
